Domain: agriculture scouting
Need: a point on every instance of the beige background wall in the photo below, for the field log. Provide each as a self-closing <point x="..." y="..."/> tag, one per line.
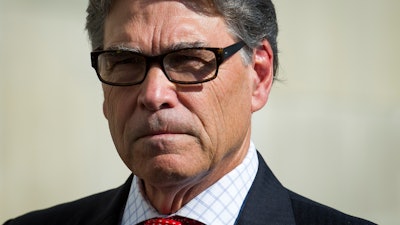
<point x="331" y="130"/>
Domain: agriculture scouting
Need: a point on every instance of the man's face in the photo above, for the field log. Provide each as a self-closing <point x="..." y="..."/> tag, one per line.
<point x="168" y="133"/>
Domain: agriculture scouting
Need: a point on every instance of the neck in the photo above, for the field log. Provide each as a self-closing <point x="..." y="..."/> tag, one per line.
<point x="169" y="199"/>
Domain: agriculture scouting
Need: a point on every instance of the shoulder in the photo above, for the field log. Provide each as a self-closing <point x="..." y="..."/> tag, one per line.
<point x="310" y="212"/>
<point x="66" y="213"/>
<point x="269" y="195"/>
<point x="89" y="210"/>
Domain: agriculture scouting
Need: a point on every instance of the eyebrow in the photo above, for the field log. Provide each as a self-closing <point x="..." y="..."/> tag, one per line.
<point x="182" y="45"/>
<point x="173" y="47"/>
<point x="124" y="47"/>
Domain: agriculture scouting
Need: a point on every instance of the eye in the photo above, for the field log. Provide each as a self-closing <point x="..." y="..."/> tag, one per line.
<point x="190" y="65"/>
<point x="122" y="60"/>
<point x="121" y="66"/>
<point x="189" y="59"/>
<point x="184" y="59"/>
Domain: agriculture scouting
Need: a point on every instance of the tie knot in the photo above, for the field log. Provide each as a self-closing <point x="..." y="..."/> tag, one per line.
<point x="174" y="220"/>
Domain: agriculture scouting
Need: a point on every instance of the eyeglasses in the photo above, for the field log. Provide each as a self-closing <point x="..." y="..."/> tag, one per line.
<point x="183" y="66"/>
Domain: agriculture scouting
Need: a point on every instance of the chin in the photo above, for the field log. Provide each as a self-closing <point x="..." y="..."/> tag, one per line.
<point x="166" y="171"/>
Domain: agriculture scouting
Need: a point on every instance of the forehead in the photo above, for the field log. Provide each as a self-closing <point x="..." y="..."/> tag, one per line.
<point x="156" y="23"/>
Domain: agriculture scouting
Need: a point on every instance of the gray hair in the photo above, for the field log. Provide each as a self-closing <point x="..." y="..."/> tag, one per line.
<point x="249" y="20"/>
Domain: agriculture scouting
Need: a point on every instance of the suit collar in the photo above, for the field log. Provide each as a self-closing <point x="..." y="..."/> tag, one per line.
<point x="267" y="202"/>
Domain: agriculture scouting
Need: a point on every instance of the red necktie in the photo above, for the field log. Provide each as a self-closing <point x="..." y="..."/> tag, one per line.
<point x="174" y="220"/>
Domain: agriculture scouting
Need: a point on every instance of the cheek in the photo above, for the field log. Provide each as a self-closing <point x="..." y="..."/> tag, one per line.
<point x="234" y="92"/>
<point x="119" y="103"/>
<point x="224" y="109"/>
<point x="118" y="106"/>
<point x="233" y="98"/>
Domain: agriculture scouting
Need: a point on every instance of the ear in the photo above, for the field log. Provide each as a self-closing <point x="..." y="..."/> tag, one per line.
<point x="264" y="74"/>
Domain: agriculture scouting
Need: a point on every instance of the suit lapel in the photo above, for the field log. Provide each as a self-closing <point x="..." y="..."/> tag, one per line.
<point x="112" y="214"/>
<point x="267" y="201"/>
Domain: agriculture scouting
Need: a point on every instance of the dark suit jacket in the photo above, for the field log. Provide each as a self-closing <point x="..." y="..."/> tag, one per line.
<point x="268" y="202"/>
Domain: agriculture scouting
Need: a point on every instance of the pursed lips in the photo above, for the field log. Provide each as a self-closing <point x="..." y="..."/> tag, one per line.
<point x="162" y="125"/>
<point x="160" y="133"/>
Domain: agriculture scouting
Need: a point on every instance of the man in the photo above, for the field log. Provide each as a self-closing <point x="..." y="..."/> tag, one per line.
<point x="181" y="80"/>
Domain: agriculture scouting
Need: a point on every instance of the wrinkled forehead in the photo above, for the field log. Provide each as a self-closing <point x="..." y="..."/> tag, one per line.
<point x="159" y="23"/>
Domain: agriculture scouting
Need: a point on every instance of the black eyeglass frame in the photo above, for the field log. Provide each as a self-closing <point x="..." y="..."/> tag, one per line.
<point x="221" y="55"/>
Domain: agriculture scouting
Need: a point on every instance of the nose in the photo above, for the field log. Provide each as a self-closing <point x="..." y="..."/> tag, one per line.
<point x="156" y="91"/>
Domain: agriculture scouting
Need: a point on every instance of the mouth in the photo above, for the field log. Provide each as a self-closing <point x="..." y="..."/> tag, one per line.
<point x="162" y="127"/>
<point x="161" y="134"/>
<point x="161" y="143"/>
